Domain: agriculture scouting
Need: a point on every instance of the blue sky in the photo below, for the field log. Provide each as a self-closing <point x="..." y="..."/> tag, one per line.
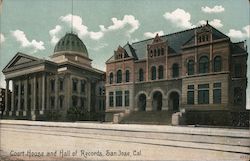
<point x="34" y="26"/>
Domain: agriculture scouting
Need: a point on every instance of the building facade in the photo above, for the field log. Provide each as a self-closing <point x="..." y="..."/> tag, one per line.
<point x="195" y="69"/>
<point x="4" y="94"/>
<point x="41" y="87"/>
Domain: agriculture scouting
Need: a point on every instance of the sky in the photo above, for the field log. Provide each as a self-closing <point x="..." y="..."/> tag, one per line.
<point x="34" y="26"/>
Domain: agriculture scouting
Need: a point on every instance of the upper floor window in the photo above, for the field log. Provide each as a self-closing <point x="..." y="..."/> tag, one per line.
<point x="190" y="67"/>
<point x="111" y="77"/>
<point x="237" y="70"/>
<point x="141" y="75"/>
<point x="127" y="76"/>
<point x="203" y="64"/>
<point x="119" y="76"/>
<point x="160" y="72"/>
<point x="52" y="85"/>
<point x="74" y="85"/>
<point x="83" y="86"/>
<point x="175" y="70"/>
<point x="153" y="73"/>
<point x="61" y="84"/>
<point x="217" y="64"/>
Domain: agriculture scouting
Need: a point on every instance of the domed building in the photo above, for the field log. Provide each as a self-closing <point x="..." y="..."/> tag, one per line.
<point x="57" y="88"/>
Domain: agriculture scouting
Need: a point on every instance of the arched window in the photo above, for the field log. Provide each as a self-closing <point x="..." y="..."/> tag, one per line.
<point x="141" y="75"/>
<point x="175" y="69"/>
<point x="203" y="64"/>
<point x="190" y="67"/>
<point x="119" y="76"/>
<point x="111" y="77"/>
<point x="127" y="76"/>
<point x="217" y="64"/>
<point x="160" y="72"/>
<point x="153" y="73"/>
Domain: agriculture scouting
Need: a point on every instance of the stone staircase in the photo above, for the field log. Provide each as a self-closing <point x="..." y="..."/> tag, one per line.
<point x="148" y="117"/>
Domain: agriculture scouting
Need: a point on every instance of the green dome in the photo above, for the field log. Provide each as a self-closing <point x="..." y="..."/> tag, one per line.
<point x="71" y="42"/>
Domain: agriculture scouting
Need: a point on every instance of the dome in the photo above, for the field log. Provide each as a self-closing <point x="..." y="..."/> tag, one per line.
<point x="71" y="42"/>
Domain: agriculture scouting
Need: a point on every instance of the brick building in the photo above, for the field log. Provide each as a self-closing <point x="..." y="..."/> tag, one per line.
<point x="199" y="69"/>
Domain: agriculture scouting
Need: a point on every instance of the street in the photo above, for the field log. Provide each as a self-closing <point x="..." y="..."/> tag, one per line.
<point x="96" y="141"/>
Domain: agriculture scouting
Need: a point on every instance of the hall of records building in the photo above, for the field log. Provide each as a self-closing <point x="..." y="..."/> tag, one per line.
<point x="195" y="69"/>
<point x="41" y="86"/>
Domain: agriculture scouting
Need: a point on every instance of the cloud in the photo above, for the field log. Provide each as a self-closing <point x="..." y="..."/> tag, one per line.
<point x="25" y="43"/>
<point x="240" y="34"/>
<point x="180" y="18"/>
<point x="53" y="34"/>
<point x="119" y="24"/>
<point x="215" y="9"/>
<point x="150" y="34"/>
<point x="83" y="31"/>
<point x="2" y="38"/>
<point x="215" y="23"/>
<point x="97" y="48"/>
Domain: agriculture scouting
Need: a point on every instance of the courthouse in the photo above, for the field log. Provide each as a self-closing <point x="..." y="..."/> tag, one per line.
<point x="41" y="87"/>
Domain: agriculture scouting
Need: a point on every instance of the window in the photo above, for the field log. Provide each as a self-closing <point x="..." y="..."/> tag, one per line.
<point x="160" y="72"/>
<point x="155" y="53"/>
<point x="126" y="98"/>
<point x="190" y="95"/>
<point x="61" y="84"/>
<point x="238" y="96"/>
<point x="74" y="85"/>
<point x="74" y="101"/>
<point x="175" y="70"/>
<point x="203" y="64"/>
<point x="153" y="73"/>
<point x="119" y="76"/>
<point x="118" y="96"/>
<point x="217" y="64"/>
<point x="217" y="93"/>
<point x="61" y="98"/>
<point x="237" y="70"/>
<point x="203" y="94"/>
<point x="127" y="76"/>
<point x="111" y="99"/>
<point x="52" y="85"/>
<point x="111" y="77"/>
<point x="83" y="86"/>
<point x="141" y="75"/>
<point x="190" y="67"/>
<point x="159" y="52"/>
<point x="82" y="103"/>
<point x="52" y="101"/>
<point x="162" y="51"/>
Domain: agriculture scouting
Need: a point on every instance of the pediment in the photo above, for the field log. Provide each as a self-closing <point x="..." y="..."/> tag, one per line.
<point x="21" y="59"/>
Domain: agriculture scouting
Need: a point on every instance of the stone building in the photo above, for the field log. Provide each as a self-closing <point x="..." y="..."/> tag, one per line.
<point x="41" y="87"/>
<point x="192" y="70"/>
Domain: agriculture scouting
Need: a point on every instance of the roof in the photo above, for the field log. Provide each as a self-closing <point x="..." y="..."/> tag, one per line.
<point x="71" y="42"/>
<point x="175" y="41"/>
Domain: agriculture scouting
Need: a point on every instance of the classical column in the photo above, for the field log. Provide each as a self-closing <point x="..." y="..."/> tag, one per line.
<point x="34" y="103"/>
<point x="56" y="92"/>
<point x="48" y="94"/>
<point x="43" y="94"/>
<point x="12" y="99"/>
<point x="25" y="97"/>
<point x="6" y="96"/>
<point x="19" y="99"/>
<point x="89" y="95"/>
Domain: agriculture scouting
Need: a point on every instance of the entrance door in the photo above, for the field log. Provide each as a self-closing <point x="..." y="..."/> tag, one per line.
<point x="157" y="101"/>
<point x="142" y="102"/>
<point x="174" y="101"/>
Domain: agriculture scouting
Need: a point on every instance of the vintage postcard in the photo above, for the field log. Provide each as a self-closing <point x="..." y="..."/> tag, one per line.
<point x="124" y="80"/>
